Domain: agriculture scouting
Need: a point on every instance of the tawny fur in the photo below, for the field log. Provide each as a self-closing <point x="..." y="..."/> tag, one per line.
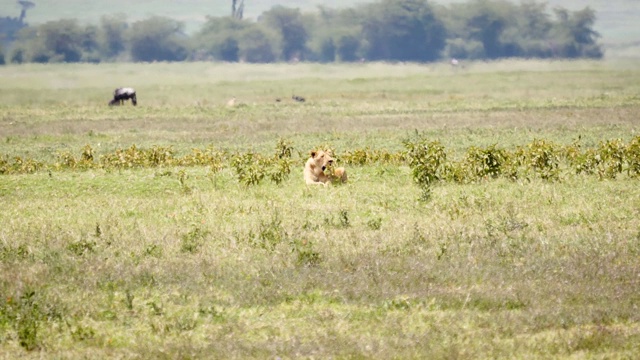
<point x="319" y="171"/>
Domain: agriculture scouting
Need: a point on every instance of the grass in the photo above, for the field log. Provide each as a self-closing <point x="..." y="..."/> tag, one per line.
<point x="183" y="262"/>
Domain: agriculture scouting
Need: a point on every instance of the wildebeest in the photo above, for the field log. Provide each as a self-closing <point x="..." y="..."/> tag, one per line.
<point x="297" y="98"/>
<point x="120" y="95"/>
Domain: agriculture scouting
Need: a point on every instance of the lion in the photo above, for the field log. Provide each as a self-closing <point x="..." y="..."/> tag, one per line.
<point x="319" y="162"/>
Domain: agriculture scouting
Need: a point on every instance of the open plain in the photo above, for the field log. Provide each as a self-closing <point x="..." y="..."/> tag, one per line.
<point x="151" y="232"/>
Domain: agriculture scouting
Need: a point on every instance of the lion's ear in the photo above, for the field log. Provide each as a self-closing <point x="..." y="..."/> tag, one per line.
<point x="313" y="153"/>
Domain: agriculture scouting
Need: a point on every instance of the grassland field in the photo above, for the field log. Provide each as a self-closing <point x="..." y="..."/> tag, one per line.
<point x="188" y="262"/>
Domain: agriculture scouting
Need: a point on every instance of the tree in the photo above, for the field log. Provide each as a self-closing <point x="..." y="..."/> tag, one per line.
<point x="219" y="38"/>
<point x="89" y="44"/>
<point x="531" y="30"/>
<point x="26" y="5"/>
<point x="112" y="35"/>
<point x="237" y="9"/>
<point x="158" y="39"/>
<point x="289" y="25"/>
<point x="327" y="50"/>
<point x="55" y="41"/>
<point x="573" y="35"/>
<point x="348" y="46"/>
<point x="403" y="30"/>
<point x="10" y="26"/>
<point x="256" y="45"/>
<point x="487" y="22"/>
<point x="334" y="34"/>
<point x="64" y="39"/>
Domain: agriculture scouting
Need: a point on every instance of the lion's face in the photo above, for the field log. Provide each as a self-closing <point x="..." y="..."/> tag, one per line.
<point x="322" y="159"/>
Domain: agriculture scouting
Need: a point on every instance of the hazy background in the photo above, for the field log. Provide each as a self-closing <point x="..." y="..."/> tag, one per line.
<point x="617" y="20"/>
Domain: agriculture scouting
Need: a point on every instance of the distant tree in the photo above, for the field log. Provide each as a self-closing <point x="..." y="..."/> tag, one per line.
<point x="487" y="22"/>
<point x="460" y="48"/>
<point x="112" y="35"/>
<point x="348" y="47"/>
<point x="219" y="38"/>
<point x="26" y="5"/>
<point x="90" y="45"/>
<point x="530" y="30"/>
<point x="327" y="51"/>
<point x="237" y="9"/>
<point x="257" y="45"/>
<point x="289" y="25"/>
<point x="320" y="46"/>
<point x="64" y="38"/>
<point x="158" y="39"/>
<point x="573" y="35"/>
<point x="17" y="55"/>
<point x="496" y="28"/>
<point x="10" y="26"/>
<point x="403" y="30"/>
<point x="55" y="41"/>
<point x="334" y="34"/>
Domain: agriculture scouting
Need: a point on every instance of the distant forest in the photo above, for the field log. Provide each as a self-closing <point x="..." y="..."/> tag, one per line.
<point x="387" y="30"/>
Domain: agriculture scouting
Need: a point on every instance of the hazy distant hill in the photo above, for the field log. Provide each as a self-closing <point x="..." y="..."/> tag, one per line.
<point x="618" y="20"/>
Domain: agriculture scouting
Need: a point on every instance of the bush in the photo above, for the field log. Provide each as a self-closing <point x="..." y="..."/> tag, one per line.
<point x="543" y="158"/>
<point x="480" y="164"/>
<point x="632" y="156"/>
<point x="427" y="161"/>
<point x="611" y="154"/>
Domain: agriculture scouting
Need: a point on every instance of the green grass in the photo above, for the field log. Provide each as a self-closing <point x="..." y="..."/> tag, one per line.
<point x="184" y="262"/>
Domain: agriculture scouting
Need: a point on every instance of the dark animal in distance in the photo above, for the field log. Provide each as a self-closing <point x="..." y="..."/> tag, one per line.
<point x="120" y="95"/>
<point x="298" y="98"/>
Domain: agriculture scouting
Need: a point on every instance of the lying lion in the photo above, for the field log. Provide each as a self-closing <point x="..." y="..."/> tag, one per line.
<point x="319" y="162"/>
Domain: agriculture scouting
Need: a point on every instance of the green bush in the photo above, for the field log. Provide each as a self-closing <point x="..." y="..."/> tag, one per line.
<point x="480" y="163"/>
<point x="543" y="158"/>
<point x="611" y="154"/>
<point x="251" y="168"/>
<point x="632" y="156"/>
<point x="427" y="160"/>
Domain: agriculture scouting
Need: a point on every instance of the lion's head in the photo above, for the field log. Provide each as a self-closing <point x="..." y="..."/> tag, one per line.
<point x="322" y="159"/>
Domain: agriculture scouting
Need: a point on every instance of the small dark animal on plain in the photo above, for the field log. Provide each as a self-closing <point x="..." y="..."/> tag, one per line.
<point x="120" y="95"/>
<point x="298" y="98"/>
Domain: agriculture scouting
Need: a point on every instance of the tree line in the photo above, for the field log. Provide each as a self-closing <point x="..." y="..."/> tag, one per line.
<point x="387" y="30"/>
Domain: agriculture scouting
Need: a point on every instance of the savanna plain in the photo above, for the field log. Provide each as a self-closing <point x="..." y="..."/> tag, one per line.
<point x="492" y="211"/>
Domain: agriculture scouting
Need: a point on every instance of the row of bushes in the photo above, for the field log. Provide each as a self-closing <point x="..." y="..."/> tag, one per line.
<point x="251" y="168"/>
<point x="542" y="159"/>
<point x="427" y="159"/>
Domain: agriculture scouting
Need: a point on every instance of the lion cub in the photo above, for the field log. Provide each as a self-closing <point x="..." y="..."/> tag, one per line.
<point x="314" y="169"/>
